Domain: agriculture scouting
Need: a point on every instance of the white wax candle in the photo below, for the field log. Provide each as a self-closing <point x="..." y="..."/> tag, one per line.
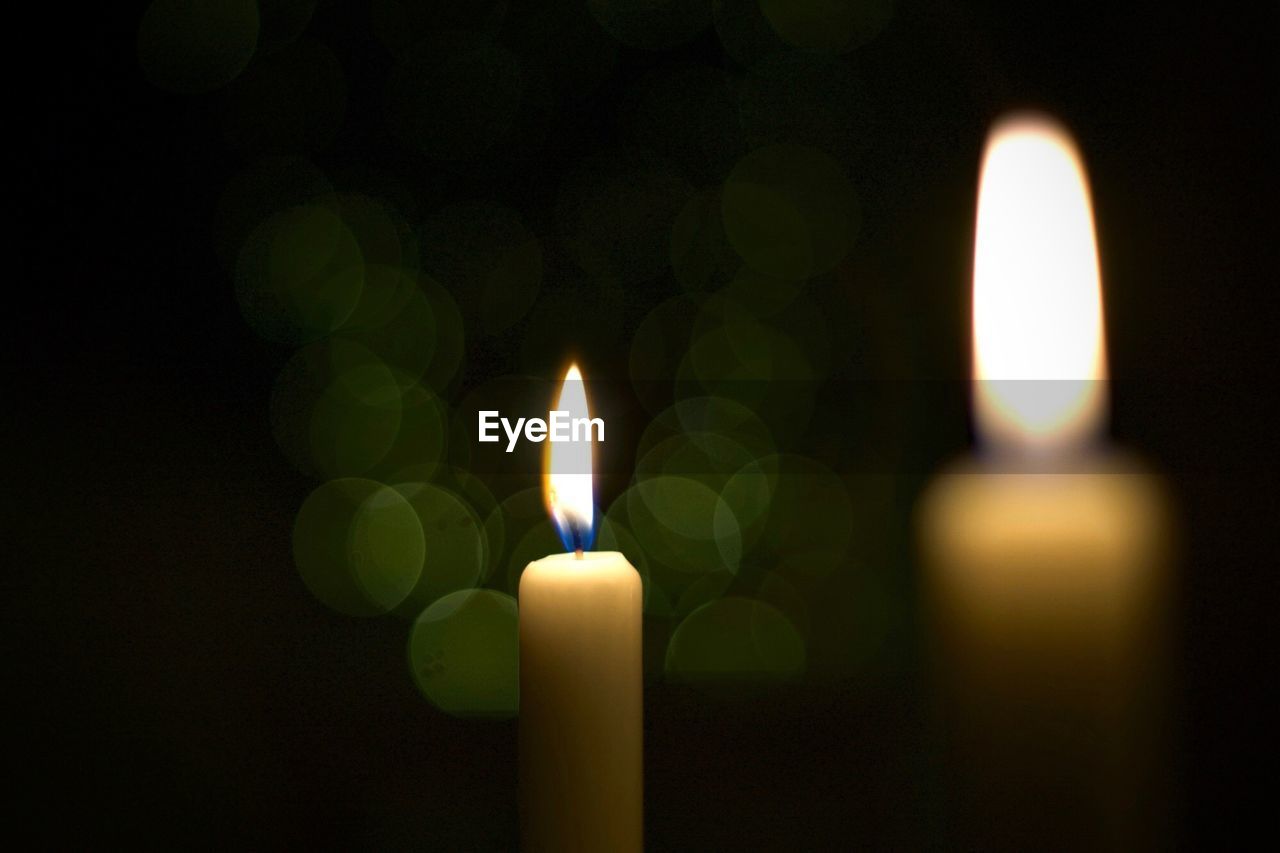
<point x="581" y="779"/>
<point x="581" y="774"/>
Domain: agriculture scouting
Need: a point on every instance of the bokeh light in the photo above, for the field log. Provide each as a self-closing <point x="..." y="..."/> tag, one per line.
<point x="704" y="238"/>
<point x="358" y="546"/>
<point x="395" y="321"/>
<point x="706" y="455"/>
<point x="538" y="540"/>
<point x="775" y="590"/>
<point x="701" y="257"/>
<point x="336" y="409"/>
<point x="790" y="211"/>
<point x="455" y="544"/>
<point x="464" y="654"/>
<point x="299" y="275"/>
<point x="717" y="443"/>
<point x="704" y="589"/>
<point x="805" y="321"/>
<point x="761" y="293"/>
<point x="738" y="357"/>
<point x="657" y="348"/>
<point x="732" y="640"/>
<point x="192" y="46"/>
<point x="716" y="462"/>
<point x="722" y="416"/>
<point x="450" y="341"/>
<point x="481" y="499"/>
<point x="385" y="239"/>
<point x="703" y="261"/>
<point x="510" y="523"/>
<point x="686" y="507"/>
<point x="686" y="527"/>
<point x="420" y="443"/>
<point x="809" y="526"/>
<point x="268" y="186"/>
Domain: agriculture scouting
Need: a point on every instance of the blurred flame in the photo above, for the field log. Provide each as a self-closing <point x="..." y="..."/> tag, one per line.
<point x="566" y="482"/>
<point x="1038" y="349"/>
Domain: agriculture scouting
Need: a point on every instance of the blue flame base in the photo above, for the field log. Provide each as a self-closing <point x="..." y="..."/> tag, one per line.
<point x="577" y="537"/>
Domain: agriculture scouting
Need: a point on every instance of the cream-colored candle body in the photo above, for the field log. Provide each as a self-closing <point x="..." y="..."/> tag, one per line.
<point x="581" y="778"/>
<point x="1046" y="596"/>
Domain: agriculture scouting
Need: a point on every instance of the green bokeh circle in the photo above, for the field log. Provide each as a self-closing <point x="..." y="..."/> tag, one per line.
<point x="455" y="546"/>
<point x="299" y="275"/>
<point x="735" y="639"/>
<point x="358" y="546"/>
<point x="336" y="409"/>
<point x="658" y="345"/>
<point x="809" y="528"/>
<point x="464" y="654"/>
<point x="683" y="524"/>
<point x="789" y="211"/>
<point x="192" y="46"/>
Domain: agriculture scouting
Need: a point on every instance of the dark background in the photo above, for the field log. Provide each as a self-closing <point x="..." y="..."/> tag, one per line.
<point x="173" y="682"/>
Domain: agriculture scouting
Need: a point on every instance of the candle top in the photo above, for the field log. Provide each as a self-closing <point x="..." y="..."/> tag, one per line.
<point x="606" y="567"/>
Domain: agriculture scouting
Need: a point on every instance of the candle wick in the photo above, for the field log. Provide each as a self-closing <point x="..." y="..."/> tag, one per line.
<point x="577" y="554"/>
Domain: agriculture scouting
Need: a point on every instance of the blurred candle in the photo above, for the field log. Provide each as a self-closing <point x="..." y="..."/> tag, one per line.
<point x="1044" y="554"/>
<point x="580" y="673"/>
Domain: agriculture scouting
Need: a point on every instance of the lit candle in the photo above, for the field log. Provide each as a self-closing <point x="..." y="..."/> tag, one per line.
<point x="1044" y="554"/>
<point x="580" y="672"/>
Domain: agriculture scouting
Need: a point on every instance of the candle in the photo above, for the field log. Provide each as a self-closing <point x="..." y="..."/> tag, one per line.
<point x="580" y="672"/>
<point x="1044" y="554"/>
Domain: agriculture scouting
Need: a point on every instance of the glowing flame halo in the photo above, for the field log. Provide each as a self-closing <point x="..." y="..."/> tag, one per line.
<point x="1039" y="354"/>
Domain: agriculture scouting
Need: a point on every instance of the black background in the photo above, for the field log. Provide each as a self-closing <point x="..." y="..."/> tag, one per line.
<point x="174" y="683"/>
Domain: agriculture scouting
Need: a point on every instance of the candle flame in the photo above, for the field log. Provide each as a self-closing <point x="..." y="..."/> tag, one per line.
<point x="1039" y="355"/>
<point x="567" y="481"/>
